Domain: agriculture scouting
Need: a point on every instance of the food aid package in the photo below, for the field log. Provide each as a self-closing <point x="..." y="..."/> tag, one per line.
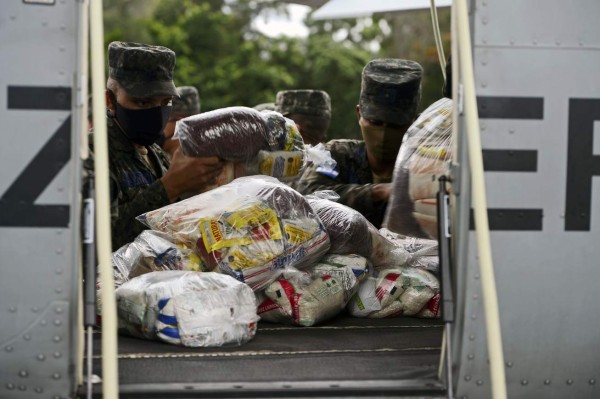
<point x="251" y="229"/>
<point x="424" y="156"/>
<point x="253" y="142"/>
<point x="188" y="308"/>
<point x="314" y="296"/>
<point x="423" y="252"/>
<point x="401" y="291"/>
<point x="351" y="233"/>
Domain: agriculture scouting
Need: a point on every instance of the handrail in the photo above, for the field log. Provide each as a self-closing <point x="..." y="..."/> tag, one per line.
<point x="110" y="370"/>
<point x="438" y="38"/>
<point x="479" y="201"/>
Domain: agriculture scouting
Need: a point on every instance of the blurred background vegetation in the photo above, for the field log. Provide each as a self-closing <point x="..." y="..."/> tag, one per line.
<point x="232" y="63"/>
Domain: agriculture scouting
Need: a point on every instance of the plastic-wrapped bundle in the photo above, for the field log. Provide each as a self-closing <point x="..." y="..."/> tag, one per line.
<point x="351" y="233"/>
<point x="188" y="308"/>
<point x="154" y="251"/>
<point x="306" y="300"/>
<point x="254" y="142"/>
<point x="424" y="157"/>
<point x="423" y="252"/>
<point x="403" y="291"/>
<point x="250" y="228"/>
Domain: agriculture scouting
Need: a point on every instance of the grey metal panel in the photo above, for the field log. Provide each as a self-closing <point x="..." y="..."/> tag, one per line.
<point x="546" y="280"/>
<point x="39" y="267"/>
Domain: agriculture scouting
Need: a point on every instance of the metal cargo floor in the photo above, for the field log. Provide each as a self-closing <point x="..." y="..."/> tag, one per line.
<point x="345" y="356"/>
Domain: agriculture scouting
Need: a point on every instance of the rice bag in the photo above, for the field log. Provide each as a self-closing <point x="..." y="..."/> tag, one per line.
<point x="423" y="252"/>
<point x="403" y="291"/>
<point x="251" y="229"/>
<point x="424" y="156"/>
<point x="188" y="308"/>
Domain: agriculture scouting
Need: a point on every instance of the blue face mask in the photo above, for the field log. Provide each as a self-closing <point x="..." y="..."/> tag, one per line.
<point x="143" y="126"/>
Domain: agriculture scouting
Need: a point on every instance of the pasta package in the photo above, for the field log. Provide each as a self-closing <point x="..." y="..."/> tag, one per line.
<point x="424" y="157"/>
<point x="251" y="229"/>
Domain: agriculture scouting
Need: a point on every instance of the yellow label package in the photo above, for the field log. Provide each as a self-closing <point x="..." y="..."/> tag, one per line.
<point x="280" y="164"/>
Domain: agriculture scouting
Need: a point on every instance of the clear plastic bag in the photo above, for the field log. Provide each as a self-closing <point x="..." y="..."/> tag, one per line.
<point x="424" y="156"/>
<point x="423" y="252"/>
<point x="188" y="308"/>
<point x="253" y="142"/>
<point x="251" y="228"/>
<point x="400" y="291"/>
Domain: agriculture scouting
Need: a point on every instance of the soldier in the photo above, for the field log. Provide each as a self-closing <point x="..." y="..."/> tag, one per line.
<point x="310" y="109"/>
<point x="138" y="97"/>
<point x="390" y="94"/>
<point x="187" y="104"/>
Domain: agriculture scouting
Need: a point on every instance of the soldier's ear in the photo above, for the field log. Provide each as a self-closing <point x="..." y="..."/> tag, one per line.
<point x="357" y="112"/>
<point x="110" y="102"/>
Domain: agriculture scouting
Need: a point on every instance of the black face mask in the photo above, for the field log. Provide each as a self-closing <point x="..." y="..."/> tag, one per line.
<point x="143" y="126"/>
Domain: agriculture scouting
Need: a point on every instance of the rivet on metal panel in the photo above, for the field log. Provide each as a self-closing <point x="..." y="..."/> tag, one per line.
<point x="547" y="382"/>
<point x="476" y="276"/>
<point x="580" y="43"/>
<point x="43" y="322"/>
<point x="27" y="337"/>
<point x="59" y="232"/>
<point x="470" y="356"/>
<point x="35" y="309"/>
<point x="512" y="42"/>
<point x="56" y="338"/>
<point x="58" y="290"/>
<point x="44" y="23"/>
<point x="483" y="84"/>
<point x="59" y="251"/>
<point x="39" y="390"/>
<point x="473" y="316"/>
<point x="465" y="397"/>
<point x="524" y="382"/>
<point x="57" y="322"/>
<point x="475" y="296"/>
<point x="479" y="382"/>
<point x="569" y="382"/>
<point x="12" y="309"/>
<point x="485" y="21"/>
<point x="10" y="386"/>
<point x="472" y="337"/>
<point x="558" y="42"/>
<point x="60" y="189"/>
<point x="12" y="17"/>
<point x="22" y="388"/>
<point x="509" y="364"/>
<point x="62" y="48"/>
<point x="535" y="42"/>
<point x="56" y="397"/>
<point x="484" y="3"/>
<point x="484" y="63"/>
<point x="467" y="378"/>
<point x="511" y="131"/>
<point x="56" y="355"/>
<point x="8" y="348"/>
<point x="23" y="374"/>
<point x="592" y="381"/>
<point x="56" y="376"/>
<point x="59" y="271"/>
<point x="61" y="73"/>
<point x="59" y="310"/>
<point x="484" y="41"/>
<point x="63" y="27"/>
<point x="41" y="357"/>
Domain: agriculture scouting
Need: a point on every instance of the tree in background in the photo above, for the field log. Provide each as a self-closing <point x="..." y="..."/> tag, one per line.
<point x="231" y="63"/>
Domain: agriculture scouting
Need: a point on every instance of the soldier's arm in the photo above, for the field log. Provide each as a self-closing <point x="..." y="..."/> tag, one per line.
<point x="368" y="199"/>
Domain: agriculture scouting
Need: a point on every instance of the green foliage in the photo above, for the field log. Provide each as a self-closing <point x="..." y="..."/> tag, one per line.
<point x="230" y="63"/>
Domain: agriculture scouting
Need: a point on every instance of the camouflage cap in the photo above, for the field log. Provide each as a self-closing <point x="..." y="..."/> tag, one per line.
<point x="141" y="69"/>
<point x="265" y="106"/>
<point x="188" y="102"/>
<point x="305" y="102"/>
<point x="391" y="90"/>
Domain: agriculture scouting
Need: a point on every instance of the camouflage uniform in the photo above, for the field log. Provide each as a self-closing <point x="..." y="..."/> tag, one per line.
<point x="265" y="106"/>
<point x="188" y="102"/>
<point x="310" y="109"/>
<point x="354" y="184"/>
<point x="390" y="92"/>
<point x="135" y="186"/>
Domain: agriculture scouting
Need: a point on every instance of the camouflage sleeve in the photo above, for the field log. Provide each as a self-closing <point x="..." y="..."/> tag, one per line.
<point x="125" y="226"/>
<point x="356" y="196"/>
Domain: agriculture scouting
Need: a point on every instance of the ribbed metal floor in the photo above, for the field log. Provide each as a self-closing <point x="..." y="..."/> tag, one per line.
<point x="346" y="356"/>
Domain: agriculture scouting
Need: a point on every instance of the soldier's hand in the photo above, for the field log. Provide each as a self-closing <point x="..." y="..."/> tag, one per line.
<point x="188" y="174"/>
<point x="381" y="192"/>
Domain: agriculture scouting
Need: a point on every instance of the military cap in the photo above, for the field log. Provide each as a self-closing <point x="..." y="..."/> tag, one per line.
<point x="305" y="102"/>
<point x="265" y="106"/>
<point x="188" y="102"/>
<point x="391" y="90"/>
<point x="141" y="69"/>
